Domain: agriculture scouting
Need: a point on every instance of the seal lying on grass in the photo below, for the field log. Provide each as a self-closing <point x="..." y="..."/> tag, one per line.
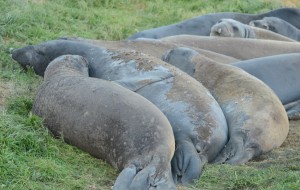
<point x="198" y="123"/>
<point x="279" y="26"/>
<point x="238" y="48"/>
<point x="256" y="119"/>
<point x="109" y="122"/>
<point x="201" y="25"/>
<point x="151" y="47"/>
<point x="236" y="29"/>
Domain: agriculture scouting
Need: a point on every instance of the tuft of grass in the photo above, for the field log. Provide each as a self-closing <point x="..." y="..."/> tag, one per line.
<point x="30" y="158"/>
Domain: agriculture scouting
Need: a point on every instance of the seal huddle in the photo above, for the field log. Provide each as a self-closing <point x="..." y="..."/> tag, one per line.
<point x="160" y="109"/>
<point x="138" y="141"/>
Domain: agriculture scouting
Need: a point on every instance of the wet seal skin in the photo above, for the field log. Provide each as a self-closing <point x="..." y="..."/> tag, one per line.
<point x="201" y="25"/>
<point x="236" y="29"/>
<point x="198" y="123"/>
<point x="279" y="26"/>
<point x="109" y="122"/>
<point x="238" y="48"/>
<point x="281" y="74"/>
<point x="256" y="119"/>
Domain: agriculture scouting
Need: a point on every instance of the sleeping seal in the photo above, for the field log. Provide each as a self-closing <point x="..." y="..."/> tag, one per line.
<point x="236" y="29"/>
<point x="201" y="25"/>
<point x="109" y="122"/>
<point x="277" y="25"/>
<point x="281" y="74"/>
<point x="238" y="48"/>
<point x="256" y="119"/>
<point x="198" y="123"/>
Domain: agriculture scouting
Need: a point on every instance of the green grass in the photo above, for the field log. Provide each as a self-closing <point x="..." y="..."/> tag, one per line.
<point x="30" y="158"/>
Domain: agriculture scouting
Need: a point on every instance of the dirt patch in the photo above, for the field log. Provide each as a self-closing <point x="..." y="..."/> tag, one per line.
<point x="291" y="3"/>
<point x="287" y="153"/>
<point x="5" y="91"/>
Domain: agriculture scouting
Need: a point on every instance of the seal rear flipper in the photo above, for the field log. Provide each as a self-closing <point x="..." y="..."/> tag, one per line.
<point x="186" y="164"/>
<point x="132" y="179"/>
<point x="293" y="110"/>
<point x="235" y="152"/>
<point x="125" y="178"/>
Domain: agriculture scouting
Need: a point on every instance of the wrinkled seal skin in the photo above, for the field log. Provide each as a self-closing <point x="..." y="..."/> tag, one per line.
<point x="238" y="48"/>
<point x="109" y="122"/>
<point x="256" y="119"/>
<point x="236" y="29"/>
<point x="151" y="47"/>
<point x="198" y="123"/>
<point x="201" y="25"/>
<point x="281" y="74"/>
<point x="277" y="25"/>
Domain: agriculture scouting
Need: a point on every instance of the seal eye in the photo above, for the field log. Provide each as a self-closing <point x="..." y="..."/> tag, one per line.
<point x="235" y="29"/>
<point x="265" y="26"/>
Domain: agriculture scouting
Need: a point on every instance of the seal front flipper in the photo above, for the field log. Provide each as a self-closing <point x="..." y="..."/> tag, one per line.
<point x="293" y="110"/>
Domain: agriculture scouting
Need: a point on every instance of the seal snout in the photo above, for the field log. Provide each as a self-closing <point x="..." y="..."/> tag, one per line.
<point x="23" y="56"/>
<point x="220" y="29"/>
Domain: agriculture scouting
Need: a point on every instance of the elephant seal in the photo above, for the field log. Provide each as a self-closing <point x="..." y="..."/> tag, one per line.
<point x="238" y="48"/>
<point x="256" y="118"/>
<point x="236" y="29"/>
<point x="198" y="123"/>
<point x="280" y="73"/>
<point x="109" y="122"/>
<point x="293" y="110"/>
<point x="277" y="25"/>
<point x="151" y="47"/>
<point x="201" y="25"/>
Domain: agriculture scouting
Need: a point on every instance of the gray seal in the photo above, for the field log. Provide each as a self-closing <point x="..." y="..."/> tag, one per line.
<point x="277" y="25"/>
<point x="236" y="29"/>
<point x="256" y="119"/>
<point x="109" y="122"/>
<point x="279" y="72"/>
<point x="198" y="123"/>
<point x="201" y="25"/>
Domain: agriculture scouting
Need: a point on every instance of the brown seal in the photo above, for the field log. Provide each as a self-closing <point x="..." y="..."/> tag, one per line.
<point x="238" y="48"/>
<point x="256" y="118"/>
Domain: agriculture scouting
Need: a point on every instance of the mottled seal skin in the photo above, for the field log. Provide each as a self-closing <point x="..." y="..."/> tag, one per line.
<point x="153" y="47"/>
<point x="280" y="73"/>
<point x="109" y="122"/>
<point x="198" y="123"/>
<point x="201" y="25"/>
<point x="256" y="118"/>
<point x="238" y="48"/>
<point x="277" y="25"/>
<point x="236" y="29"/>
